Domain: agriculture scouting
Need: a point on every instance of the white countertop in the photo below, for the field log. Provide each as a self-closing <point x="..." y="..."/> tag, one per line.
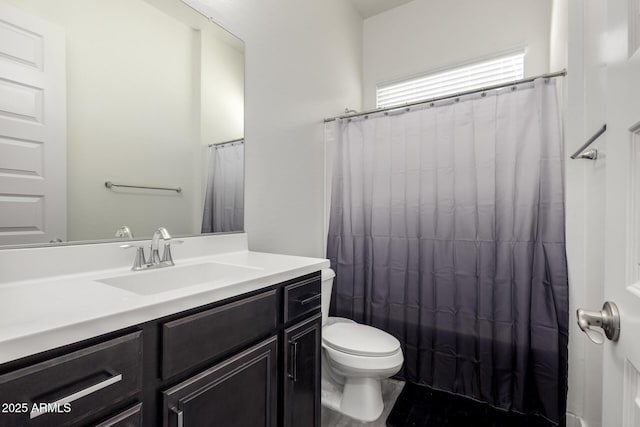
<point x="48" y="312"/>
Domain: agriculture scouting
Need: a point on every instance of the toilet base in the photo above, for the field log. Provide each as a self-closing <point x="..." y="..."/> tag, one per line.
<point x="362" y="399"/>
<point x="359" y="398"/>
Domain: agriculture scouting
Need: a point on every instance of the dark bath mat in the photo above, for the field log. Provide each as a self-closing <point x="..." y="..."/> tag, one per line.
<point x="419" y="406"/>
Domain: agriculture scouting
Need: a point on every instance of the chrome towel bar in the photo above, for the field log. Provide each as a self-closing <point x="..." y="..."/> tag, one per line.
<point x="110" y="184"/>
<point x="583" y="153"/>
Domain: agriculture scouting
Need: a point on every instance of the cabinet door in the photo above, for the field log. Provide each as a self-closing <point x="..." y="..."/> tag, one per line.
<point x="240" y="391"/>
<point x="130" y="417"/>
<point x="302" y="373"/>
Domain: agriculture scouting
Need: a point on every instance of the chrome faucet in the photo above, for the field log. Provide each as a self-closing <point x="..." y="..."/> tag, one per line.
<point x="140" y="262"/>
<point x="155" y="261"/>
<point x="160" y="233"/>
<point x="125" y="232"/>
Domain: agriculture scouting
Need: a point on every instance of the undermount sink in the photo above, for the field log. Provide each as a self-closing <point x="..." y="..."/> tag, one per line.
<point x="170" y="278"/>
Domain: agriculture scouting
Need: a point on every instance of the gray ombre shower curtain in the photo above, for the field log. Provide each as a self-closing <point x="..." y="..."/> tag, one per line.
<point x="447" y="230"/>
<point x="224" y="200"/>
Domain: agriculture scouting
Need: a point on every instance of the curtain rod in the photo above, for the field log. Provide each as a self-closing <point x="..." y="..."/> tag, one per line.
<point x="455" y="95"/>
<point x="227" y="142"/>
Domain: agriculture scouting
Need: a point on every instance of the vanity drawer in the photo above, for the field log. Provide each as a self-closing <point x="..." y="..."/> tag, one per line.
<point x="200" y="337"/>
<point x="302" y="298"/>
<point x="78" y="384"/>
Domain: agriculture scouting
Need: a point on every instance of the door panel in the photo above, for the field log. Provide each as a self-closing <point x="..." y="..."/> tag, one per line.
<point x="32" y="129"/>
<point x="622" y="218"/>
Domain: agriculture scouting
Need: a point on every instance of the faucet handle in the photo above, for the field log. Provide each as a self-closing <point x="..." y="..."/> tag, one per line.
<point x="166" y="252"/>
<point x="140" y="262"/>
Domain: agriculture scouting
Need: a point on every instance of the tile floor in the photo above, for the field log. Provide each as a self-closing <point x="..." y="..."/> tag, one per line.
<point x="424" y="407"/>
<point x="390" y="391"/>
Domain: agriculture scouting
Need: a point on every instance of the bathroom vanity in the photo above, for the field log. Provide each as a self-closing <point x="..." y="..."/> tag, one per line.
<point x="242" y="350"/>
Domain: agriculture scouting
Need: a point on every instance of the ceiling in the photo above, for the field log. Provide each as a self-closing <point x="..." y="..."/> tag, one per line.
<point x="369" y="8"/>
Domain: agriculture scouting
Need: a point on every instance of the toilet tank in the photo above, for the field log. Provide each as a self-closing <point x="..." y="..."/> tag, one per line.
<point x="327" y="286"/>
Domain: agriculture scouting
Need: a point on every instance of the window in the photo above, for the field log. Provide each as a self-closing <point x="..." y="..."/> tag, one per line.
<point x="459" y="79"/>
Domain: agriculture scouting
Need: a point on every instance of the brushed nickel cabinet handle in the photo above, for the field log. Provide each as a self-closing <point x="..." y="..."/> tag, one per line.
<point x="293" y="371"/>
<point x="179" y="416"/>
<point x="75" y="396"/>
<point x="309" y="299"/>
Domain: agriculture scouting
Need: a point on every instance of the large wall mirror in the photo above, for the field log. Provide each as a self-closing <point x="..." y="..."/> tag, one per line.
<point x="118" y="117"/>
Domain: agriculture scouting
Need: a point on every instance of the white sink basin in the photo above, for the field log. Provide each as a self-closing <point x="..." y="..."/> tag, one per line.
<point x="170" y="278"/>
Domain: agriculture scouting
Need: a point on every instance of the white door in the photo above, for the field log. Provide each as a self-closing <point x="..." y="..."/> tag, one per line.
<point x="32" y="129"/>
<point x="621" y="381"/>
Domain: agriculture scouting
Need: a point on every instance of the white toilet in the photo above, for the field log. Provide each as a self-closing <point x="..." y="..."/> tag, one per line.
<point x="355" y="358"/>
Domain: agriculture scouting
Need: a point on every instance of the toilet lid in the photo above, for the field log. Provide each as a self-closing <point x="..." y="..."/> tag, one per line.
<point x="360" y="340"/>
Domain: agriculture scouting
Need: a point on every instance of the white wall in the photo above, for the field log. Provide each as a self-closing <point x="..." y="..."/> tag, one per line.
<point x="425" y="35"/>
<point x="577" y="29"/>
<point x="222" y="79"/>
<point x="302" y="64"/>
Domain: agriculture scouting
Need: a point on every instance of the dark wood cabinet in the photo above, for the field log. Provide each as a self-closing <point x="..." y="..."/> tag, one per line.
<point x="252" y="360"/>
<point x="301" y="299"/>
<point x="72" y="388"/>
<point x="130" y="417"/>
<point x="301" y="379"/>
<point x="240" y="391"/>
<point x="191" y="340"/>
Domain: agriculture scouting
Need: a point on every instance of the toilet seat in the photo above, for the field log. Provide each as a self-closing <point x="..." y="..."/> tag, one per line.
<point x="359" y="340"/>
<point x="350" y="365"/>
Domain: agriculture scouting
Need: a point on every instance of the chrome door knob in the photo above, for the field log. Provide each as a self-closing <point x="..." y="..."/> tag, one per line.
<point x="607" y="319"/>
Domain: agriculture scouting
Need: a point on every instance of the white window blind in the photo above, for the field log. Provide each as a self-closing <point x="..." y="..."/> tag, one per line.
<point x="468" y="77"/>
